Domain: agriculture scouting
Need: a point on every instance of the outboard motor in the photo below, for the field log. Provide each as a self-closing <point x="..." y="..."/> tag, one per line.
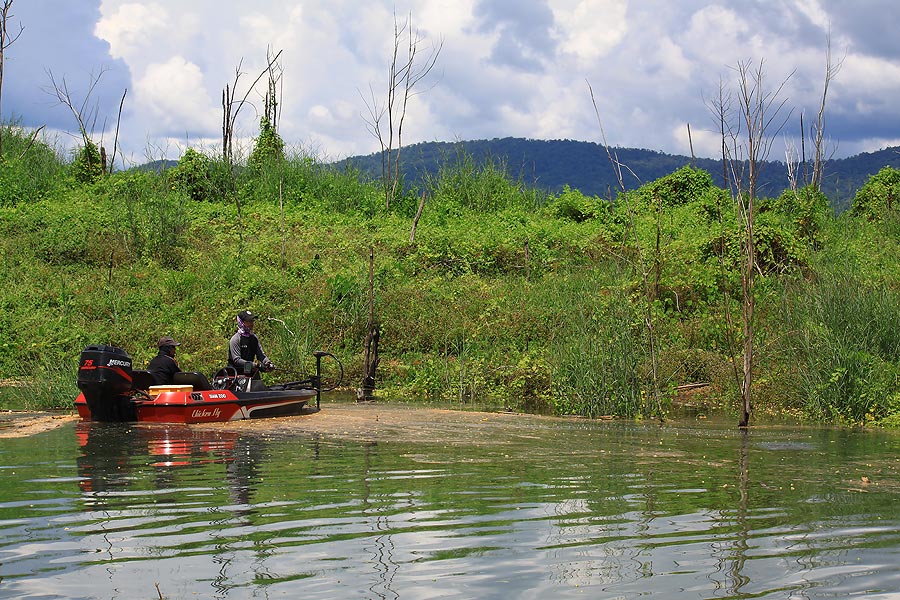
<point x="105" y="379"/>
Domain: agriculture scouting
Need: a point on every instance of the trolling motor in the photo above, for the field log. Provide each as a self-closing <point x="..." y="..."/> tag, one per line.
<point x="317" y="378"/>
<point x="314" y="382"/>
<point x="228" y="378"/>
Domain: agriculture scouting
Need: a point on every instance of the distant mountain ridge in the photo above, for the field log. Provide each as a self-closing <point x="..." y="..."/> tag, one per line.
<point x="553" y="164"/>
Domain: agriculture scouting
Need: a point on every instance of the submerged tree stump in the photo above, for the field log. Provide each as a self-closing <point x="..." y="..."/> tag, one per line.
<point x="366" y="393"/>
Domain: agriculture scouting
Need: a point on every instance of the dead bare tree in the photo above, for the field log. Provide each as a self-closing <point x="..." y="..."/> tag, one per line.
<point x="269" y="131"/>
<point x="831" y="71"/>
<point x="112" y="162"/>
<point x="231" y="105"/>
<point x="751" y="140"/>
<point x="6" y="40"/>
<point x="415" y="223"/>
<point x="722" y="108"/>
<point x="231" y="108"/>
<point x="86" y="115"/>
<point x="386" y="117"/>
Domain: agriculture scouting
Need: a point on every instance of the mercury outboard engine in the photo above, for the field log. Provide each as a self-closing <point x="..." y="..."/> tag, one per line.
<point x="105" y="379"/>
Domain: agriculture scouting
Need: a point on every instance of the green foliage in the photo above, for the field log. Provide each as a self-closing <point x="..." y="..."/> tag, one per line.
<point x="301" y="181"/>
<point x="505" y="298"/>
<point x="806" y="210"/>
<point x="686" y="185"/>
<point x="87" y="167"/>
<point x="879" y="197"/>
<point x="199" y="177"/>
<point x="572" y="204"/>
<point x="49" y="385"/>
<point x="597" y="355"/>
<point x="847" y="344"/>
<point x="269" y="149"/>
<point x="191" y="175"/>
<point x="462" y="183"/>
<point x="30" y="171"/>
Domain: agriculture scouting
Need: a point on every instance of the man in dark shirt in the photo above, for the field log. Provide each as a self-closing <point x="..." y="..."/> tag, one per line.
<point x="244" y="347"/>
<point x="164" y="366"/>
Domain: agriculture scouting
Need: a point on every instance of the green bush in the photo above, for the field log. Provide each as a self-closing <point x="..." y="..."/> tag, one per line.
<point x="268" y="152"/>
<point x="87" y="167"/>
<point x="879" y="196"/>
<point x="199" y="177"/>
<point x="573" y="205"/>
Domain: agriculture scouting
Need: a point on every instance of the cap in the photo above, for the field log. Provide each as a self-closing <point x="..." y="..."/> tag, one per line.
<point x="167" y="340"/>
<point x="246" y="315"/>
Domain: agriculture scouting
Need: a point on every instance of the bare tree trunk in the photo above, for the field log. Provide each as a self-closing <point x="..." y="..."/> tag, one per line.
<point x="415" y="223"/>
<point x="112" y="162"/>
<point x="803" y="150"/>
<point x="758" y="109"/>
<point x="366" y="392"/>
<point x="231" y="108"/>
<point x="527" y="260"/>
<point x="691" y="143"/>
<point x="831" y="71"/>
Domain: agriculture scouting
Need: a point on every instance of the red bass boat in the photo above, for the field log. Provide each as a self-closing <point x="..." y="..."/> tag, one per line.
<point x="112" y="391"/>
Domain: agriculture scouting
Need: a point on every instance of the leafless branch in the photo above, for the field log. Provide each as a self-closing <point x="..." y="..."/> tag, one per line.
<point x="831" y="71"/>
<point x="406" y="72"/>
<point x="112" y="161"/>
<point x="5" y="42"/>
<point x="31" y="140"/>
<point x="82" y="113"/>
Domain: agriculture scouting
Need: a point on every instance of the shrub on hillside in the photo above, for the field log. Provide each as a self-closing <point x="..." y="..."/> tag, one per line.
<point x="879" y="197"/>
<point x="87" y="167"/>
<point x="573" y="205"/>
<point x="269" y="148"/>
<point x="198" y="177"/>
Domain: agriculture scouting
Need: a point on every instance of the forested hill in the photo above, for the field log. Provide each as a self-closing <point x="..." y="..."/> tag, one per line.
<point x="552" y="164"/>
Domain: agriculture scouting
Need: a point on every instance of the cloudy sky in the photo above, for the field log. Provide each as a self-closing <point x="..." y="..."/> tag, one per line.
<point x="515" y="68"/>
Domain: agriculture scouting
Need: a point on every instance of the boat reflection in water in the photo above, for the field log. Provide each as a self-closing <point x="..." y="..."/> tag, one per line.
<point x="114" y="457"/>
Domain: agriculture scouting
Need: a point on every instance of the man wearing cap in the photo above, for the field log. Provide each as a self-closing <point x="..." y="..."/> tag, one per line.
<point x="164" y="366"/>
<point x="244" y="347"/>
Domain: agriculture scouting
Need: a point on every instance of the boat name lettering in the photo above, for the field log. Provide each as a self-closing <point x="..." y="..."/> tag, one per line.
<point x="119" y="363"/>
<point x="201" y="413"/>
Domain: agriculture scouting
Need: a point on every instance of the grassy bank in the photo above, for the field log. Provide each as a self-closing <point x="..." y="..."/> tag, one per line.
<point x="506" y="298"/>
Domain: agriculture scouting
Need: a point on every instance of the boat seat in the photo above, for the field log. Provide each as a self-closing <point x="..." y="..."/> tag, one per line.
<point x="142" y="380"/>
<point x="198" y="380"/>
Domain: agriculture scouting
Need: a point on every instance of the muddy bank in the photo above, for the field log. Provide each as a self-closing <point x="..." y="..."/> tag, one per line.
<point x="375" y="422"/>
<point x="17" y="424"/>
<point x="391" y="422"/>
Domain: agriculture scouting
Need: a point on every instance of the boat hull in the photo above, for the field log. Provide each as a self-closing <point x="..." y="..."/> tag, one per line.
<point x="209" y="406"/>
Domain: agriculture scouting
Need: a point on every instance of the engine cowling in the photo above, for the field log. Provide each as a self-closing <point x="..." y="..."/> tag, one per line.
<point x="105" y="378"/>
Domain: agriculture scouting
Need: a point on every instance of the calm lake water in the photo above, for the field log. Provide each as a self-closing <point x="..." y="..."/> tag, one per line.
<point x="538" y="508"/>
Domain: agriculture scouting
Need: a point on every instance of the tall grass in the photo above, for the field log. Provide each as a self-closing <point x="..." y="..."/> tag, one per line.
<point x="31" y="169"/>
<point x="596" y="351"/>
<point x="846" y="336"/>
<point x="50" y="385"/>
